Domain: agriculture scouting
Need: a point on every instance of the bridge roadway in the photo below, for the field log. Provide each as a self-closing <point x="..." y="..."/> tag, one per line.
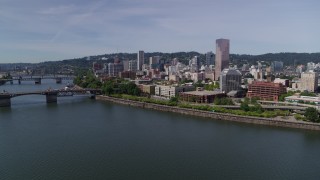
<point x="51" y="94"/>
<point x="37" y="79"/>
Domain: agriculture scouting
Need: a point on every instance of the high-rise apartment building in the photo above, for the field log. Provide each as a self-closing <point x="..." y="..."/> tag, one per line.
<point x="209" y="58"/>
<point x="140" y="60"/>
<point x="309" y="81"/>
<point x="222" y="56"/>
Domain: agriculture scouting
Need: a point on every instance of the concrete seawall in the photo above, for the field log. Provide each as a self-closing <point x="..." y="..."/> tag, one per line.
<point x="214" y="115"/>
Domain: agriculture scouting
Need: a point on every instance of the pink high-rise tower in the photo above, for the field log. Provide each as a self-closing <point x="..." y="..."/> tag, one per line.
<point x="222" y="56"/>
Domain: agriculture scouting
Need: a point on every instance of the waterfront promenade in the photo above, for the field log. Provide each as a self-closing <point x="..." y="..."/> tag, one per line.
<point x="214" y="115"/>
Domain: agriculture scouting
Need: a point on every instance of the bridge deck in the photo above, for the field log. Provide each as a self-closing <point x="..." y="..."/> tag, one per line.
<point x="59" y="92"/>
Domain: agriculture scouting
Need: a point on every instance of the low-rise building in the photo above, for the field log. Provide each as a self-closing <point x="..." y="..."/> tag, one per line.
<point x="201" y="96"/>
<point x="266" y="90"/>
<point x="282" y="81"/>
<point x="147" y="89"/>
<point x="304" y="99"/>
<point x="171" y="91"/>
<point x="127" y="75"/>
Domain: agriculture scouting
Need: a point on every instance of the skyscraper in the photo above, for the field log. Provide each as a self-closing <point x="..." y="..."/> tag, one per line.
<point x="276" y="66"/>
<point x="195" y="64"/>
<point x="140" y="60"/>
<point x="222" y="56"/>
<point x="209" y="58"/>
<point x="154" y="61"/>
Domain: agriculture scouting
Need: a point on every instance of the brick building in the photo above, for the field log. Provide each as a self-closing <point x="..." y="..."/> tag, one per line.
<point x="266" y="90"/>
<point x="127" y="74"/>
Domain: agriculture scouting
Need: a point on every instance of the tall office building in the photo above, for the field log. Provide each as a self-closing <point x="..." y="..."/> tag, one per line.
<point x="277" y="66"/>
<point x="209" y="58"/>
<point x="230" y="80"/>
<point x="140" y="60"/>
<point x="195" y="64"/>
<point x="309" y="81"/>
<point x="126" y="65"/>
<point x="114" y="69"/>
<point x="222" y="56"/>
<point x="132" y="65"/>
<point x="154" y="62"/>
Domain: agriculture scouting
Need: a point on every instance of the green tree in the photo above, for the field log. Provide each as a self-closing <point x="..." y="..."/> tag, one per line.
<point x="174" y="99"/>
<point x="312" y="114"/>
<point x="217" y="101"/>
<point x="256" y="108"/>
<point x="77" y="80"/>
<point x="254" y="100"/>
<point x="107" y="88"/>
<point x="305" y="93"/>
<point x="283" y="96"/>
<point x="199" y="84"/>
<point x="245" y="106"/>
<point x="211" y="87"/>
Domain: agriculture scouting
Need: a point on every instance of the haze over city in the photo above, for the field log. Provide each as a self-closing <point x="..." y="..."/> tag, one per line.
<point x="35" y="31"/>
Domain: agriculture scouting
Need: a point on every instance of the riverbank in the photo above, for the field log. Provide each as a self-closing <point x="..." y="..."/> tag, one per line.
<point x="215" y="115"/>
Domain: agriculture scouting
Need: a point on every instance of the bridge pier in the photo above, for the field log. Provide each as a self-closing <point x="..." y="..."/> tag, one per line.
<point x="5" y="100"/>
<point x="92" y="96"/>
<point x="52" y="97"/>
<point x="19" y="81"/>
<point x="58" y="80"/>
<point x="37" y="80"/>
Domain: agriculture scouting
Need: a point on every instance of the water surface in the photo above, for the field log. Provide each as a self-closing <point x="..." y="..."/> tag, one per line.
<point x="80" y="138"/>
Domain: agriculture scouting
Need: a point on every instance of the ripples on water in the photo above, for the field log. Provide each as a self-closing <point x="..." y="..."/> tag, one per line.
<point x="79" y="138"/>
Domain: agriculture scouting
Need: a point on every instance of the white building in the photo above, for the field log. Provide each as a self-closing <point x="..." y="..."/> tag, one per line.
<point x="171" y="91"/>
<point x="309" y="82"/>
<point x="132" y="65"/>
<point x="305" y="99"/>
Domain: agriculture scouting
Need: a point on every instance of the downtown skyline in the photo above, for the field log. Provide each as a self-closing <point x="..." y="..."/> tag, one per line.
<point x="44" y="31"/>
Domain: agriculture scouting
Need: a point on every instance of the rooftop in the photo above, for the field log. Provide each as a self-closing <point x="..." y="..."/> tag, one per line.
<point x="203" y="93"/>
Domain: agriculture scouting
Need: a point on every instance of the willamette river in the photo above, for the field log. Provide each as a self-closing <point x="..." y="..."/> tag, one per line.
<point x="79" y="138"/>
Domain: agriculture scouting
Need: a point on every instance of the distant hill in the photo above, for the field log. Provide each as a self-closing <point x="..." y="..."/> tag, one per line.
<point x="84" y="63"/>
<point x="287" y="58"/>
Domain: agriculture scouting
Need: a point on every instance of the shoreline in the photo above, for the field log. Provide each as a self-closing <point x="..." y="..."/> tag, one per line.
<point x="215" y="115"/>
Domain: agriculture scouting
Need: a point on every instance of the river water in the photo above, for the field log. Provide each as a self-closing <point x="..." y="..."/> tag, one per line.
<point x="79" y="138"/>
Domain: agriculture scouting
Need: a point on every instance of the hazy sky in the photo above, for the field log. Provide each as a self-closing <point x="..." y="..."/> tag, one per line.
<point x="44" y="30"/>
